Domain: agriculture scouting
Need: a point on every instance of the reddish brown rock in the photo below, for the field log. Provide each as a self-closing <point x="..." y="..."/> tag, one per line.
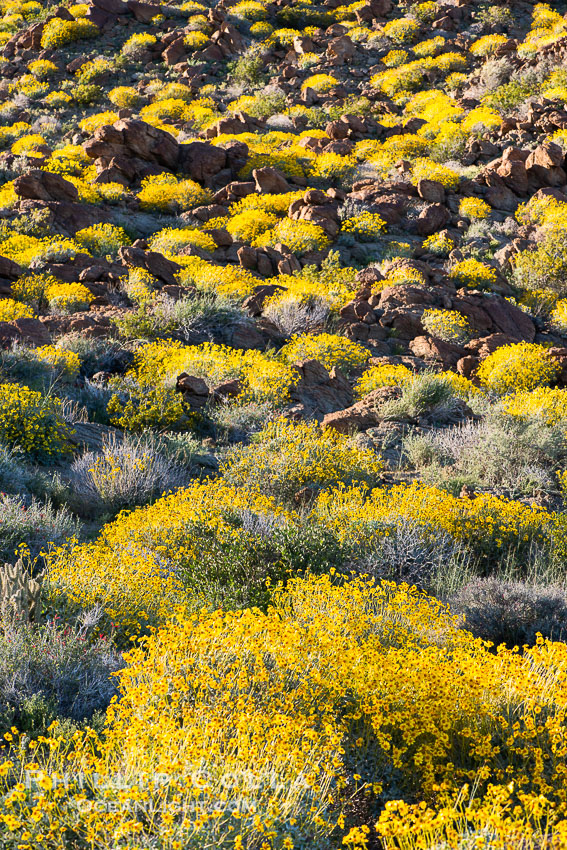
<point x="318" y="391"/>
<point x="45" y="186"/>
<point x="362" y="415"/>
<point x="437" y="350"/>
<point x="433" y="218"/>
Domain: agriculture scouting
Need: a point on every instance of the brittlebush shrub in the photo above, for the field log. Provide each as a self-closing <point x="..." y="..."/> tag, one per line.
<point x="549" y="404"/>
<point x="523" y="366"/>
<point x="194" y="547"/>
<point x="32" y="422"/>
<point x="165" y="193"/>
<point x="68" y="297"/>
<point x="329" y="349"/>
<point x="58" y="32"/>
<point x="10" y="310"/>
<point x="286" y="457"/>
<point x="388" y="375"/>
<point x="449" y="325"/>
<point x="339" y="690"/>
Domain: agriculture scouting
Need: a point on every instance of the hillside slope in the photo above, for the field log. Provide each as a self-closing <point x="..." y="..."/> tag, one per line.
<point x="283" y="410"/>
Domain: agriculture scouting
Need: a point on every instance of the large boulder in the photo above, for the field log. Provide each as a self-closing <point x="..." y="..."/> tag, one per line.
<point x="39" y="185"/>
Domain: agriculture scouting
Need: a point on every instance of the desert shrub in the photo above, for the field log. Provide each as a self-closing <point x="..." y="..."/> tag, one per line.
<point x="54" y="671"/>
<point x="68" y="297"/>
<point x="42" y="68"/>
<point x="135" y="47"/>
<point x="173" y="239"/>
<point x="94" y="354"/>
<point x="473" y="273"/>
<point x="401" y="30"/>
<point x="474" y="208"/>
<point x="345" y="710"/>
<point x="329" y="349"/>
<point x="449" y="325"/>
<point x="31" y="288"/>
<point x="206" y="544"/>
<point x="320" y="82"/>
<point x="549" y="404"/>
<point x="545" y="267"/>
<point x="10" y="310"/>
<point x="518" y="456"/>
<point x="407" y="552"/>
<point x="299" y="236"/>
<point x="287" y="457"/>
<point x="365" y="226"/>
<point x="512" y="612"/>
<point x="124" y="97"/>
<point x="102" y="239"/>
<point x="126" y="473"/>
<point x="137" y="409"/>
<point x="194" y="320"/>
<point x="295" y="313"/>
<point x="32" y="422"/>
<point x="426" y="395"/>
<point x="522" y="366"/>
<point x="58" y="32"/>
<point x="388" y="375"/>
<point x="33" y="525"/>
<point x="427" y="169"/>
<point x="165" y="193"/>
<point x="250" y="224"/>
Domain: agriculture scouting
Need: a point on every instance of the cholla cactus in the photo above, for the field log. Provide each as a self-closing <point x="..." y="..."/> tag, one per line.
<point x="20" y="594"/>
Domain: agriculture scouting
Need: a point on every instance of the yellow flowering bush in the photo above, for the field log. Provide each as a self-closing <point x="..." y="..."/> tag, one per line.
<point x="102" y="239"/>
<point x="446" y="324"/>
<point x="58" y="32"/>
<point x="493" y="525"/>
<point x="389" y="375"/>
<point x="439" y="243"/>
<point x="474" y="208"/>
<point x="10" y="310"/>
<point x="366" y="226"/>
<point x="320" y="83"/>
<point x="338" y="689"/>
<point x="30" y="289"/>
<point x="299" y="236"/>
<point x="288" y="456"/>
<point x="165" y="193"/>
<point x="171" y="240"/>
<point x="472" y="273"/>
<point x="426" y="169"/>
<point x="329" y="349"/>
<point x="124" y="97"/>
<point x="401" y="30"/>
<point x="547" y="403"/>
<point x="66" y="364"/>
<point x="68" y="297"/>
<point x="137" y="44"/>
<point x="262" y="376"/>
<point x="487" y="44"/>
<point x="250" y="224"/>
<point x="32" y="422"/>
<point x="523" y="366"/>
<point x="42" y="68"/>
<point x="150" y="561"/>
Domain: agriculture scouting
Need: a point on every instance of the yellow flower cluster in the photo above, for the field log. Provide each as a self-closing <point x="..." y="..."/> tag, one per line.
<point x="265" y="724"/>
<point x="10" y="310"/>
<point x="446" y="324"/>
<point x="32" y="422"/>
<point x="68" y="297"/>
<point x="523" y="366"/>
<point x="286" y="457"/>
<point x="329" y="349"/>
